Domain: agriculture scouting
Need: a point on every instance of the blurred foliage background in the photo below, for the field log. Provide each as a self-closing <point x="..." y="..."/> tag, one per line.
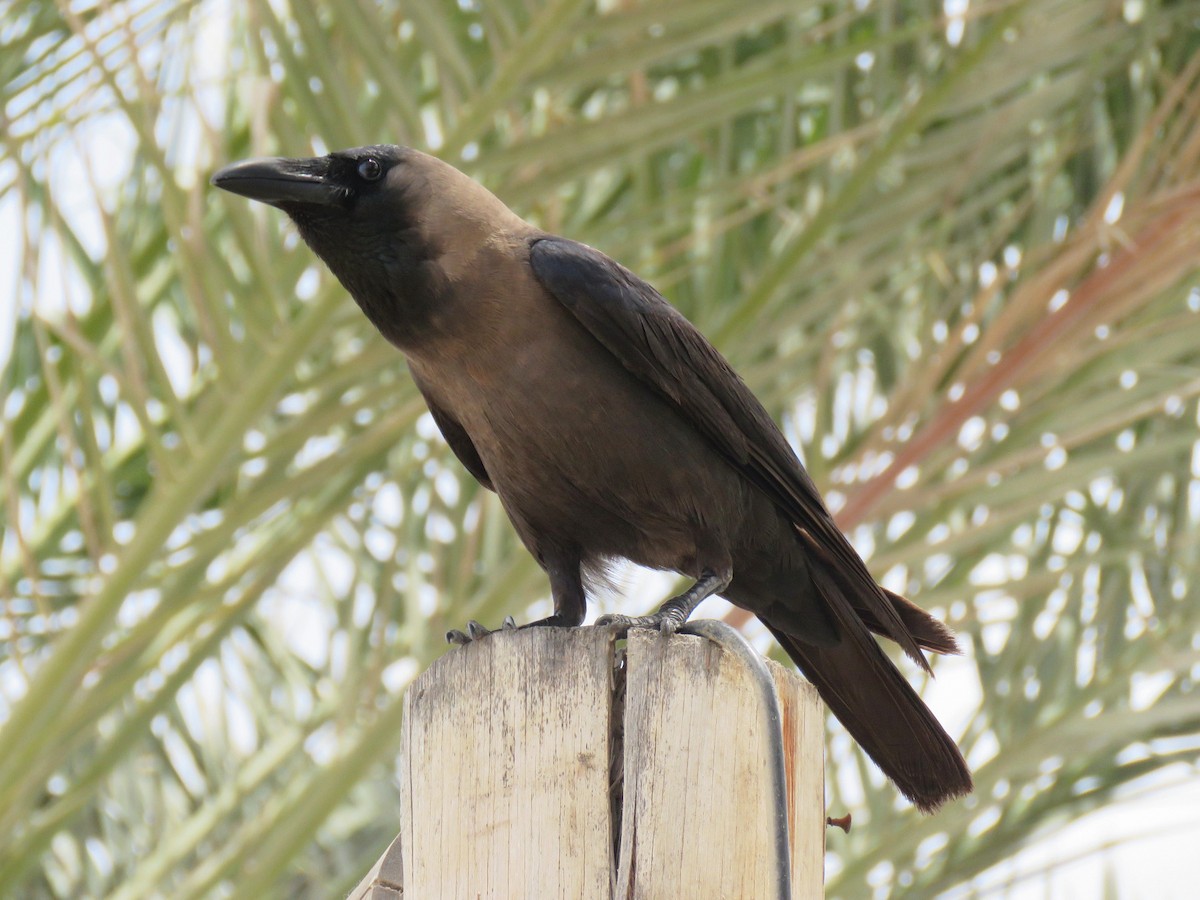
<point x="952" y="245"/>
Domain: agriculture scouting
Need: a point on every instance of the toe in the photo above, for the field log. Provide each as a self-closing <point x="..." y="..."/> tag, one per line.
<point x="456" y="637"/>
<point x="477" y="631"/>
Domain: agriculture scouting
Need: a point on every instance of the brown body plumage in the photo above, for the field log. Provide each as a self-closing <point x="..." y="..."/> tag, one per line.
<point x="610" y="428"/>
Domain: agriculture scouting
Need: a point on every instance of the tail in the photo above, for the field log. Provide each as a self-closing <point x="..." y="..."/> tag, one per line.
<point x="887" y="718"/>
<point x="929" y="633"/>
<point x="877" y="705"/>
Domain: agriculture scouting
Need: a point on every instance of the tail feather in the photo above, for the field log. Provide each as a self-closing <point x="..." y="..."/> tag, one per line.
<point x="929" y="633"/>
<point x="877" y="705"/>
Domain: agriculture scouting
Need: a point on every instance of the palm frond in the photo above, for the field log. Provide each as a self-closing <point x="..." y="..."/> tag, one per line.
<point x="953" y="249"/>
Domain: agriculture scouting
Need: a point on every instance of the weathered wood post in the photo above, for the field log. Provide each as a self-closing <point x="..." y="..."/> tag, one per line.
<point x="546" y="764"/>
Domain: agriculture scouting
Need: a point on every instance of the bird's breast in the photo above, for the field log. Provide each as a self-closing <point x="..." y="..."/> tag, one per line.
<point x="578" y="448"/>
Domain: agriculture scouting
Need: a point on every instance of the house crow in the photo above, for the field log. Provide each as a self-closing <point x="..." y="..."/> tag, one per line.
<point x="611" y="429"/>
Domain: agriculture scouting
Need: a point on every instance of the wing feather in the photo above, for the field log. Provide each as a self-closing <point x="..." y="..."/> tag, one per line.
<point x="456" y="436"/>
<point x="662" y="348"/>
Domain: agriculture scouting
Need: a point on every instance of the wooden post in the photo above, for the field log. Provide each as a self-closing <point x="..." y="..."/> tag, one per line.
<point x="535" y="766"/>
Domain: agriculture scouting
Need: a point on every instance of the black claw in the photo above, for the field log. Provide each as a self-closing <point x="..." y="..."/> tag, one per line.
<point x="477" y="631"/>
<point x="622" y="624"/>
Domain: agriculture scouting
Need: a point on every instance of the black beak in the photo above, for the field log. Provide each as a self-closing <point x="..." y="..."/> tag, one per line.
<point x="281" y="182"/>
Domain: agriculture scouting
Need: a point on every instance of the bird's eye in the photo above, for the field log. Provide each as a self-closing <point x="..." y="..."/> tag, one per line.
<point x="370" y="169"/>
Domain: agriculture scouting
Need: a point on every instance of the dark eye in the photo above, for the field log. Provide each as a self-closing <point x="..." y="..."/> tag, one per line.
<point x="370" y="169"/>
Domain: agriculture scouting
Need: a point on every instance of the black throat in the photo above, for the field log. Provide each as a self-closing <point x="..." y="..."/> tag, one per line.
<point x="391" y="271"/>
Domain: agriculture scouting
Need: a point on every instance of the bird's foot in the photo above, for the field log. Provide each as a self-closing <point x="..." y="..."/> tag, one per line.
<point x="666" y="621"/>
<point x="475" y="631"/>
<point x="675" y="612"/>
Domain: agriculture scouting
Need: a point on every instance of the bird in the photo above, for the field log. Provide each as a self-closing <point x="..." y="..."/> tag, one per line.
<point x="611" y="429"/>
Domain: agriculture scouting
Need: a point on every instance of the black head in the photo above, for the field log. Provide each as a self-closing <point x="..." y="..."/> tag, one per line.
<point x="392" y="223"/>
<point x="320" y="187"/>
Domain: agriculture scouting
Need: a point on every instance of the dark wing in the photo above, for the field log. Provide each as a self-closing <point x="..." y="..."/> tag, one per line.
<point x="657" y="344"/>
<point x="456" y="436"/>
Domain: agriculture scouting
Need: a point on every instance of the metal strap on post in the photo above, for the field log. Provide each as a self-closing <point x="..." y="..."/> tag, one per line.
<point x="733" y="641"/>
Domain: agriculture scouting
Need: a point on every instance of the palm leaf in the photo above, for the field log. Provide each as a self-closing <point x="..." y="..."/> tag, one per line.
<point x="953" y="252"/>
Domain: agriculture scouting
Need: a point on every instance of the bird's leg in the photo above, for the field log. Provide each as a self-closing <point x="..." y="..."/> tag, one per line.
<point x="566" y="587"/>
<point x="570" y="603"/>
<point x="675" y="611"/>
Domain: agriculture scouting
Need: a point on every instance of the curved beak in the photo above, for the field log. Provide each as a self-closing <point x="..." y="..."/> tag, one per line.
<point x="280" y="181"/>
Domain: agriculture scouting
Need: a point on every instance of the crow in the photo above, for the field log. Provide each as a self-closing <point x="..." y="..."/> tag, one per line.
<point x="610" y="428"/>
